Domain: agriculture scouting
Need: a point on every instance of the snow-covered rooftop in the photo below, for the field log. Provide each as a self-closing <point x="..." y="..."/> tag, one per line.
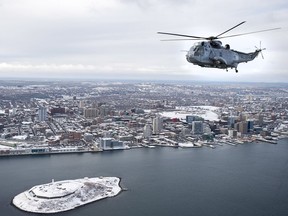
<point x="54" y="190"/>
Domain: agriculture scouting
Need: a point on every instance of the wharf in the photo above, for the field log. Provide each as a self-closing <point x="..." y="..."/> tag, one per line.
<point x="265" y="140"/>
<point x="230" y="143"/>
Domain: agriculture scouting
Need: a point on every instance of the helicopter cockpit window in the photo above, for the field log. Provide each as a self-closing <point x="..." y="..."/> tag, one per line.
<point x="199" y="51"/>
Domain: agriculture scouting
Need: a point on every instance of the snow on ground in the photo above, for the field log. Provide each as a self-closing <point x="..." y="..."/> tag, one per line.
<point x="66" y="195"/>
<point x="5" y="147"/>
<point x="20" y="137"/>
<point x="206" y="112"/>
<point x="186" y="145"/>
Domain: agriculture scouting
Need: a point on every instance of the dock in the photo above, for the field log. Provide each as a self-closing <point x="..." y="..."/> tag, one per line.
<point x="265" y="140"/>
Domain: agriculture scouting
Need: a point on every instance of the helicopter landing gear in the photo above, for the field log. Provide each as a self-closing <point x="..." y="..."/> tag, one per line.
<point x="236" y="70"/>
<point x="226" y="69"/>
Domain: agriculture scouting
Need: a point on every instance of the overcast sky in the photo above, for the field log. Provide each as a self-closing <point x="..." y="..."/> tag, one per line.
<point x="117" y="38"/>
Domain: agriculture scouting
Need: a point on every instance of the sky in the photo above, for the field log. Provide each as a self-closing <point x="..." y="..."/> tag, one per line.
<point x="117" y="39"/>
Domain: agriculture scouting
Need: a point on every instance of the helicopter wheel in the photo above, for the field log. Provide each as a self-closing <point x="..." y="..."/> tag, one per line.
<point x="236" y="70"/>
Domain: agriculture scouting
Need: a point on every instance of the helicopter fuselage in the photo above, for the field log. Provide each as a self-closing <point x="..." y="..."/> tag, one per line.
<point x="212" y="54"/>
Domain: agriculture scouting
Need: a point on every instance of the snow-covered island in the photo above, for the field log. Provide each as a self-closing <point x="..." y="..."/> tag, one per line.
<point x="66" y="195"/>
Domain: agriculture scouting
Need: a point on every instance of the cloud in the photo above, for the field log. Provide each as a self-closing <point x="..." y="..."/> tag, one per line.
<point x="119" y="36"/>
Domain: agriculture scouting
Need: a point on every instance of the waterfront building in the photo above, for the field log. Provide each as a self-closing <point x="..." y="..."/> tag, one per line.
<point x="110" y="144"/>
<point x="250" y="125"/>
<point x="157" y="125"/>
<point x="236" y="126"/>
<point x="185" y="132"/>
<point x="243" y="127"/>
<point x="191" y="118"/>
<point x="147" y="131"/>
<point x="231" y="121"/>
<point x="232" y="133"/>
<point x="197" y="127"/>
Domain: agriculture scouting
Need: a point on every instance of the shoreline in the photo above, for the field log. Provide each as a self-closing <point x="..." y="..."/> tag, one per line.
<point x="233" y="142"/>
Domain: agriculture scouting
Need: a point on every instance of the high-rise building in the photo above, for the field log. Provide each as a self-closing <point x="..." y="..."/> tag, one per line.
<point x="190" y="119"/>
<point x="197" y="127"/>
<point x="157" y="125"/>
<point x="147" y="131"/>
<point x="250" y="125"/>
<point x="237" y="126"/>
<point x="42" y="113"/>
<point x="243" y="127"/>
<point x="231" y="121"/>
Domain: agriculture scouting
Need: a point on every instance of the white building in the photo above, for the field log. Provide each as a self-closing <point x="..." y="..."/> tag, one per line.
<point x="147" y="131"/>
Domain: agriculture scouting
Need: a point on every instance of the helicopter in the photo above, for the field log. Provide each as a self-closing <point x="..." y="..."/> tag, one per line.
<point x="212" y="54"/>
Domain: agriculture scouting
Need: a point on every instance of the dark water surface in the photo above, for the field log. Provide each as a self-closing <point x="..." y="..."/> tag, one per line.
<point x="250" y="179"/>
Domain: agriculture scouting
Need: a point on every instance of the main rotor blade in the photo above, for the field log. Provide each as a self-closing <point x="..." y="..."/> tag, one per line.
<point x="180" y="39"/>
<point x="230" y="29"/>
<point x="250" y="33"/>
<point x="181" y="35"/>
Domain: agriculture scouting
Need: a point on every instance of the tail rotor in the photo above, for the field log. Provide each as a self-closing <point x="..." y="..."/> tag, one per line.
<point x="260" y="50"/>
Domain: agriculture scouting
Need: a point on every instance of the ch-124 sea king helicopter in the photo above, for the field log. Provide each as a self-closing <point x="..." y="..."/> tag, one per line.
<point x="212" y="54"/>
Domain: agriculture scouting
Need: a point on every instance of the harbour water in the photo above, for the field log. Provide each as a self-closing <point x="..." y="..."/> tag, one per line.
<point x="250" y="179"/>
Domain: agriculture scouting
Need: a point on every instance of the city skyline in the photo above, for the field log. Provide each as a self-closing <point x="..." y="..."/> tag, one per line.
<point x="117" y="39"/>
<point x="63" y="117"/>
